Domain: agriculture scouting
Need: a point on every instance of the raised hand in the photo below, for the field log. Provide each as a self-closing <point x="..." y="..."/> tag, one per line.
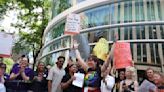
<point x="75" y="44"/>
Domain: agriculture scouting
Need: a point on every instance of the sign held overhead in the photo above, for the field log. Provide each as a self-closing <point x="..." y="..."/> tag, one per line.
<point x="72" y="26"/>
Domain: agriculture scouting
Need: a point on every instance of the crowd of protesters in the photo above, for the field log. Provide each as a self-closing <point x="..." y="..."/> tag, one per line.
<point x="98" y="77"/>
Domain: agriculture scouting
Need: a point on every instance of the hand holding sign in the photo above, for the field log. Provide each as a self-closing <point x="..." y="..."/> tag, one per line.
<point x="79" y="80"/>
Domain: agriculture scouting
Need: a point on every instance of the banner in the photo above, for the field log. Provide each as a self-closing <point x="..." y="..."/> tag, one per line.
<point x="6" y="41"/>
<point x="122" y="55"/>
<point x="72" y="24"/>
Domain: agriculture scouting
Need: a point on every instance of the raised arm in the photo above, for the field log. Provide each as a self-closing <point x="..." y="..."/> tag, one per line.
<point x="109" y="59"/>
<point x="78" y="56"/>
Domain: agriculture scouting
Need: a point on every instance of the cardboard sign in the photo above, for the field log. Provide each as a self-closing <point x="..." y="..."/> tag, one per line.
<point x="122" y="55"/>
<point x="6" y="41"/>
<point x="101" y="49"/>
<point x="72" y="24"/>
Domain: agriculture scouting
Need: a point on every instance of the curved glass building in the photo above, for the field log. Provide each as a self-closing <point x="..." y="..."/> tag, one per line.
<point x="140" y="22"/>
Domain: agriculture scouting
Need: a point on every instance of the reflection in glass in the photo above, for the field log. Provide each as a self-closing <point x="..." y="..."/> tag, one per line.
<point x="128" y="12"/>
<point x="97" y="16"/>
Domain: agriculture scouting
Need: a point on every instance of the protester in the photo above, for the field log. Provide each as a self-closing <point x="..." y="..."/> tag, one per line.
<point x="2" y="80"/>
<point x="70" y="61"/>
<point x="67" y="80"/>
<point x="92" y="80"/>
<point x="147" y="84"/>
<point x="39" y="82"/>
<point x="108" y="81"/>
<point x="149" y="74"/>
<point x="159" y="81"/>
<point x="17" y="62"/>
<point x="21" y="77"/>
<point x="55" y="75"/>
<point x="129" y="84"/>
<point x="121" y="76"/>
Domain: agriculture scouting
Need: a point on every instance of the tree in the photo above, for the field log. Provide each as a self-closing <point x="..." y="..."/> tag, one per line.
<point x="34" y="17"/>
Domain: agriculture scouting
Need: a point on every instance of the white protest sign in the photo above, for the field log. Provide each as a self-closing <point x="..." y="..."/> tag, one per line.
<point x="72" y="24"/>
<point x="146" y="86"/>
<point x="6" y="41"/>
<point x="79" y="80"/>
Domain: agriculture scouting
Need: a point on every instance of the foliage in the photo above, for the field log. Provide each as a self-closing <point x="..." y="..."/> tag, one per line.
<point x="3" y="7"/>
<point x="33" y="17"/>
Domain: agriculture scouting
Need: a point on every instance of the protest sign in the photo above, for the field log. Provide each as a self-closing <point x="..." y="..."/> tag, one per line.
<point x="101" y="49"/>
<point x="122" y="55"/>
<point x="6" y="41"/>
<point x="72" y="24"/>
<point x="79" y="80"/>
<point x="147" y="86"/>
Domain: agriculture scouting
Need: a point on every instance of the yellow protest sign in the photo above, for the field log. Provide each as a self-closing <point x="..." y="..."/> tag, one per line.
<point x="101" y="49"/>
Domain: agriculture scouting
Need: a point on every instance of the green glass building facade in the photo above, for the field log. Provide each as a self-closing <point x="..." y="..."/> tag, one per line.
<point x="140" y="22"/>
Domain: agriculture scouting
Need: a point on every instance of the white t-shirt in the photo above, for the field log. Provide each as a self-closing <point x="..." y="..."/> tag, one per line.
<point x="110" y="83"/>
<point x="2" y="88"/>
<point x="55" y="74"/>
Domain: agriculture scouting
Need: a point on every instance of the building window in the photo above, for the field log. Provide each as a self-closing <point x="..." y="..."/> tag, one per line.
<point x="159" y="9"/>
<point x="150" y="10"/>
<point x="131" y="33"/>
<point x="150" y="33"/>
<point x="138" y="52"/>
<point x="112" y="13"/>
<point x="97" y="16"/>
<point x="139" y="10"/>
<point x="128" y="12"/>
<point x="162" y="31"/>
<point x="126" y="33"/>
<point x="138" y="32"/>
<point x="144" y="56"/>
<point x="152" y="49"/>
<point x="157" y="54"/>
<point x="119" y="12"/>
<point x="142" y="32"/>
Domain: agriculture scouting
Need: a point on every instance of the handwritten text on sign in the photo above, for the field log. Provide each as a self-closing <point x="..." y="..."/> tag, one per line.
<point x="72" y="24"/>
<point x="122" y="55"/>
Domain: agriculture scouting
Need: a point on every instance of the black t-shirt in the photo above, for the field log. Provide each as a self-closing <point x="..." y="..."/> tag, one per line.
<point x="40" y="86"/>
<point x="71" y="87"/>
<point x="161" y="89"/>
